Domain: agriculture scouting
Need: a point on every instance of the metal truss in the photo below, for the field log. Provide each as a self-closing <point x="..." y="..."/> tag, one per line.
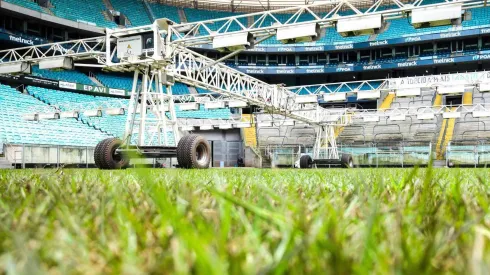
<point x="341" y="87"/>
<point x="197" y="70"/>
<point x="266" y="23"/>
<point x="148" y="107"/>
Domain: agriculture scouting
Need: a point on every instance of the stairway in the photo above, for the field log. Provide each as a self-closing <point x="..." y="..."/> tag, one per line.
<point x="437" y="100"/>
<point x="48" y="11"/>
<point x="468" y="98"/>
<point x="445" y="136"/>
<point x="192" y="90"/>
<point x="386" y="104"/>
<point x="95" y="80"/>
<point x="108" y="5"/>
<point x="149" y="11"/>
<point x="182" y="16"/>
<point x="249" y="134"/>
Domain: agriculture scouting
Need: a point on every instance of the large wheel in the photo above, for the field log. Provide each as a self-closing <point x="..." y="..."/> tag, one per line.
<point x="347" y="161"/>
<point x="193" y="151"/>
<point x="305" y="162"/>
<point x="105" y="156"/>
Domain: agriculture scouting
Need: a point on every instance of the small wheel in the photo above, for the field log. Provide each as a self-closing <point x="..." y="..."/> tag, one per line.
<point x="305" y="162"/>
<point x="347" y="161"/>
<point x="105" y="156"/>
<point x="193" y="151"/>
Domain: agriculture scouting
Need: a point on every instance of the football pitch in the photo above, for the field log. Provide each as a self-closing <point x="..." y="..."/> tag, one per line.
<point x="245" y="221"/>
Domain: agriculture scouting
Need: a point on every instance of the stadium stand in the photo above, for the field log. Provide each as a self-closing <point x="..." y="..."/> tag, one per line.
<point x="125" y="82"/>
<point x="14" y="129"/>
<point x="134" y="10"/>
<point x="194" y="15"/>
<point x="110" y="124"/>
<point x="82" y="10"/>
<point x="63" y="75"/>
<point x="30" y="4"/>
<point x="164" y="11"/>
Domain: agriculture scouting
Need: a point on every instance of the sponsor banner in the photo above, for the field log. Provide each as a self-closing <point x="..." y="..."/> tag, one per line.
<point x="434" y="80"/>
<point x="359" y="68"/>
<point x="361" y="45"/>
<point x="30" y="80"/>
<point x="21" y="39"/>
<point x="68" y="85"/>
<point x="100" y="90"/>
<point x="117" y="92"/>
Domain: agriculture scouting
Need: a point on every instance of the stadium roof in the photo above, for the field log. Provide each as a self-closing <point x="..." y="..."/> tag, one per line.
<point x="252" y="5"/>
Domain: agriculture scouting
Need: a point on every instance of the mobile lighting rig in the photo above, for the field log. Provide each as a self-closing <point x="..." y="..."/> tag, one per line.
<point x="159" y="54"/>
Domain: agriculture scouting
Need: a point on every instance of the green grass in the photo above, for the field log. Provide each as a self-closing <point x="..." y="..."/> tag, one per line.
<point x="364" y="221"/>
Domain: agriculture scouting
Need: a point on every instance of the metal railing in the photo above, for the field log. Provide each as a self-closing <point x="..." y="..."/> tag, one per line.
<point x="473" y="153"/>
<point x="40" y="155"/>
<point x="397" y="153"/>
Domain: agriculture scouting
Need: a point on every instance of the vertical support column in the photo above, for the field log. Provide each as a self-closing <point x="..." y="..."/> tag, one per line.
<point x="144" y="94"/>
<point x="171" y="106"/>
<point x="108" y="46"/>
<point x="23" y="156"/>
<point x="133" y="103"/>
<point x="162" y="100"/>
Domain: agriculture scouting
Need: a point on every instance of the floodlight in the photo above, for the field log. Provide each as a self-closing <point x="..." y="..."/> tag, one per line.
<point x="214" y="105"/>
<point x="188" y="106"/>
<point x="408" y="92"/>
<point x="49" y="116"/>
<point x="206" y="127"/>
<point x="56" y="63"/>
<point x="374" y="94"/>
<point x="115" y="111"/>
<point x="484" y="87"/>
<point x="334" y="97"/>
<point x="453" y="89"/>
<point x="187" y="128"/>
<point x="31" y="117"/>
<point x="225" y="126"/>
<point x="243" y="125"/>
<point x="233" y="41"/>
<point x="300" y="99"/>
<point x="14" y="68"/>
<point x="93" y="113"/>
<point x="361" y="25"/>
<point x="307" y="32"/>
<point x="69" y="114"/>
<point x="237" y="104"/>
<point x="436" y="16"/>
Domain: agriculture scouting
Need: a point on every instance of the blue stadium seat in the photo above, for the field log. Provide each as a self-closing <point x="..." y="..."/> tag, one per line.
<point x="134" y="10"/>
<point x="85" y="10"/>
<point x="14" y="129"/>
<point x="63" y="75"/>
<point x="164" y="11"/>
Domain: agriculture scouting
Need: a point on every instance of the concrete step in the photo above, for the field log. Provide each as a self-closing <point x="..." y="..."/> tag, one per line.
<point x="96" y="81"/>
<point x="5" y="164"/>
<point x="182" y="16"/>
<point x="108" y="4"/>
<point x="439" y="163"/>
<point x="193" y="90"/>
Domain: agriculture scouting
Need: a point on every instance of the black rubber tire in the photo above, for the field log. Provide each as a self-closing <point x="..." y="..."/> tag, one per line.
<point x="305" y="162"/>
<point x="98" y="154"/>
<point x="106" y="157"/>
<point x="193" y="152"/>
<point x="346" y="160"/>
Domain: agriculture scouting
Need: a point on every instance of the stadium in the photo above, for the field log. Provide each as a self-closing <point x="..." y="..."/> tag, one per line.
<point x="163" y="123"/>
